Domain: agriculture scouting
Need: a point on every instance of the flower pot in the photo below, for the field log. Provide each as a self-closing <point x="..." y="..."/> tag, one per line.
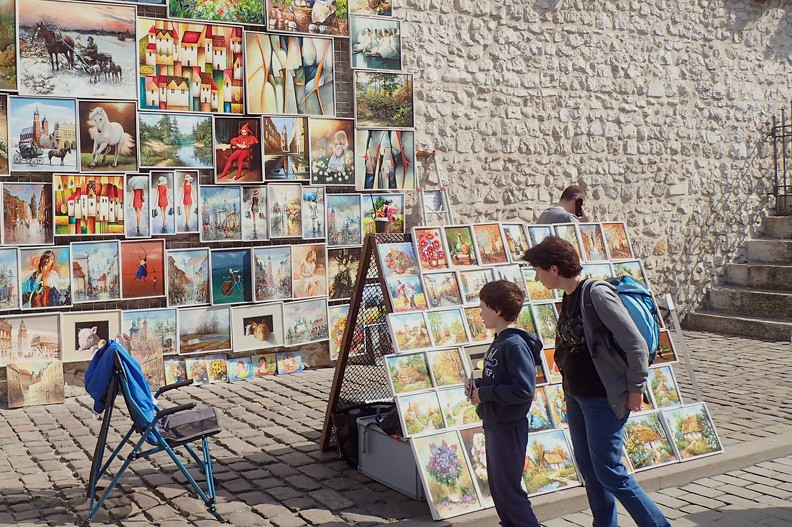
<point x="380" y="225"/>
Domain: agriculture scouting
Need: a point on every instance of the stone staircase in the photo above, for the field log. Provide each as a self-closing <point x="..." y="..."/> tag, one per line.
<point x="755" y="297"/>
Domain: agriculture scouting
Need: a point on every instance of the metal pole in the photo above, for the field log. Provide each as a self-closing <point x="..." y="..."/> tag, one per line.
<point x="682" y="347"/>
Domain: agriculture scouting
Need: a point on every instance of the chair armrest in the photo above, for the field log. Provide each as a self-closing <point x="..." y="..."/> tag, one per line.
<point x="175" y="385"/>
<point x="175" y="409"/>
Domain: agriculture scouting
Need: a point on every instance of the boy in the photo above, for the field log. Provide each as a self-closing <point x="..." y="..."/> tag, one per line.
<point x="504" y="397"/>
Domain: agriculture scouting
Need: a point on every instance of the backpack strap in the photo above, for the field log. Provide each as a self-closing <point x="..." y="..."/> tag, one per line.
<point x="597" y="326"/>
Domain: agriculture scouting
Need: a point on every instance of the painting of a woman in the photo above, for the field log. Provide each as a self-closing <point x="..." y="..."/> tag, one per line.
<point x="44" y="287"/>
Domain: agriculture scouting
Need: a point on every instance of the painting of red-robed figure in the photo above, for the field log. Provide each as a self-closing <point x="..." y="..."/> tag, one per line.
<point x="237" y="150"/>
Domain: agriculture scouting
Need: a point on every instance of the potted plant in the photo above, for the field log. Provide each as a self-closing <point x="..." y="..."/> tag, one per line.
<point x="381" y="219"/>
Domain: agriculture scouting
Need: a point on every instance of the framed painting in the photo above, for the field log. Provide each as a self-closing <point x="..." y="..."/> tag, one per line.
<point x="241" y="12"/>
<point x="45" y="277"/>
<point x="371" y="7"/>
<point x="406" y="293"/>
<point x="375" y="43"/>
<point x="27" y="214"/>
<point x="219" y="214"/>
<point x="4" y="166"/>
<point x="539" y="414"/>
<point x="190" y="67"/>
<point x="516" y="237"/>
<point x="383" y="100"/>
<point x="489" y="241"/>
<point x="388" y="206"/>
<point x="647" y="441"/>
<point x="343" y="220"/>
<point x="343" y="265"/>
<point x="9" y="279"/>
<point x="549" y="464"/>
<point x="96" y="268"/>
<point x="240" y="368"/>
<point x="510" y="273"/>
<point x="217" y="367"/>
<point x="430" y="247"/>
<point x="442" y="289"/>
<point x="187" y="277"/>
<point x="598" y="271"/>
<point x="84" y="333"/>
<point x="8" y="70"/>
<point x="337" y="321"/>
<point x="461" y="247"/>
<point x="420" y="413"/>
<point x="204" y="329"/>
<point x="185" y="186"/>
<point x="397" y="259"/>
<point x="332" y="151"/>
<point x="175" y="370"/>
<point x="447" y="367"/>
<point x="237" y="150"/>
<point x="175" y="140"/>
<point x="196" y="370"/>
<point x="162" y="206"/>
<point x="592" y="242"/>
<point x="142" y="269"/>
<point x="284" y="206"/>
<point x="536" y="289"/>
<point x="447" y="327"/>
<point x="692" y="431"/>
<point x="137" y="216"/>
<point x="408" y="372"/>
<point x="568" y="232"/>
<point x="409" y="331"/>
<point x="617" y="241"/>
<point x="385" y="160"/>
<point x="457" y="409"/>
<point x="537" y="233"/>
<point x="525" y="319"/>
<point x="265" y="364"/>
<point x="88" y="205"/>
<point x="289" y="75"/>
<point x="478" y="331"/>
<point x="232" y="276"/>
<point x="255" y="226"/>
<point x="472" y="280"/>
<point x="553" y="372"/>
<point x="666" y="353"/>
<point x="476" y="455"/>
<point x="108" y="135"/>
<point x="35" y="383"/>
<point x="546" y="319"/>
<point x="257" y="327"/>
<point x="154" y="329"/>
<point x="273" y="275"/>
<point x="633" y="269"/>
<point x="434" y="201"/>
<point x="305" y="321"/>
<point x="287" y="148"/>
<point x="556" y="402"/>
<point x="90" y="50"/>
<point x="326" y="18"/>
<point x="309" y="270"/>
<point x="32" y="338"/>
<point x="289" y="362"/>
<point x="313" y="213"/>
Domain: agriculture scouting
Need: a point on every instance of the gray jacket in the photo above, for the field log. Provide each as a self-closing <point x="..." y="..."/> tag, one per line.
<point x="618" y="377"/>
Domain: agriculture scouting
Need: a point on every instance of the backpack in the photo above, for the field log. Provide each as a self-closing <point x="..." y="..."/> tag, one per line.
<point x="642" y="310"/>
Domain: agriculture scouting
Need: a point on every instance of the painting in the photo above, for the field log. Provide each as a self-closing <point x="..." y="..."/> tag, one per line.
<point x="30" y="338"/>
<point x="447" y="327"/>
<point x="371" y="7"/>
<point x="375" y="43"/>
<point x="4" y="167"/>
<point x="108" y="131"/>
<point x="83" y="334"/>
<point x="309" y="270"/>
<point x="553" y="373"/>
<point x="284" y="206"/>
<point x="287" y="154"/>
<point x="219" y="215"/>
<point x="445" y="475"/>
<point x="510" y="273"/>
<point x="190" y="67"/>
<point x="151" y="329"/>
<point x="420" y="413"/>
<point x="408" y="373"/>
<point x="8" y="65"/>
<point x="273" y="276"/>
<point x="397" y="259"/>
<point x="162" y="207"/>
<point x="175" y="371"/>
<point x="447" y="366"/>
<point x="665" y="351"/>
<point x="516" y="240"/>
<point x="548" y="463"/>
<point x="633" y="269"/>
<point x="525" y="319"/>
<point x="489" y="242"/>
<point x="148" y="353"/>
<point x="432" y="253"/>
<point x="175" y="140"/>
<point x="86" y="205"/>
<point x="305" y="321"/>
<point x="663" y="387"/>
<point x="142" y="269"/>
<point x="313" y="213"/>
<point x="457" y="408"/>
<point x="434" y="201"/>
<point x="204" y="329"/>
<point x="232" y="276"/>
<point x="409" y="331"/>
<point x="546" y="319"/>
<point x="385" y="160"/>
<point x="343" y="220"/>
<point x="646" y="441"/>
<point x="289" y="362"/>
<point x="185" y="184"/>
<point x="196" y="370"/>
<point x="539" y="414"/>
<point x="264" y="365"/>
<point x="557" y="404"/>
<point x="388" y="206"/>
<point x="568" y="232"/>
<point x="597" y="271"/>
<point x="383" y="100"/>
<point x="96" y="271"/>
<point x="692" y="431"/>
<point x="472" y="280"/>
<point x="239" y="11"/>
<point x="9" y="278"/>
<point x="537" y="233"/>
<point x="478" y="331"/>
<point x="27" y="214"/>
<point x="461" y="249"/>
<point x="476" y="454"/>
<point x="617" y="241"/>
<point x="337" y="321"/>
<point x="240" y="368"/>
<point x="536" y="289"/>
<point x="257" y="327"/>
<point x="217" y="367"/>
<point x="254" y="213"/>
<point x="237" y="150"/>
<point x="137" y="217"/>
<point x="343" y="265"/>
<point x="406" y="293"/>
<point x="45" y="277"/>
<point x="332" y="151"/>
<point x="442" y="289"/>
<point x="73" y="48"/>
<point x="35" y="383"/>
<point x="322" y="17"/>
<point x="592" y="242"/>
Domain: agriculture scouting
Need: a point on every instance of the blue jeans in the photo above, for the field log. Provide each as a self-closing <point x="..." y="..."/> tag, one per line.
<point x="597" y="438"/>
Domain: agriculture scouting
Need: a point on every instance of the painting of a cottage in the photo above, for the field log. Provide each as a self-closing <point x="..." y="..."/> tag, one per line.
<point x="692" y="431"/>
<point x="647" y="442"/>
<point x="548" y="463"/>
<point x="408" y="373"/>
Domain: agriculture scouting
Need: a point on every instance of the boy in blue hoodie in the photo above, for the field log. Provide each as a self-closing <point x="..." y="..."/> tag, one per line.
<point x="504" y="397"/>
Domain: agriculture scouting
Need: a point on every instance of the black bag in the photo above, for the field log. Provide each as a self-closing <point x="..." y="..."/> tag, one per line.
<point x="390" y="423"/>
<point x="345" y="423"/>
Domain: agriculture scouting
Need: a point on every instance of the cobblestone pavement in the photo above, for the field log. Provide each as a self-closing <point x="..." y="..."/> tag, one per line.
<point x="270" y="471"/>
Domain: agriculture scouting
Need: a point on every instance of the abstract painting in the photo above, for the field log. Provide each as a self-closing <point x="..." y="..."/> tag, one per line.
<point x="30" y="338"/>
<point x="142" y="269"/>
<point x="332" y="151"/>
<point x="287" y="146"/>
<point x="257" y="327"/>
<point x="254" y="213"/>
<point x="108" y="135"/>
<point x="187" y="274"/>
<point x="284" y="205"/>
<point x="343" y="220"/>
<point x="9" y="278"/>
<point x="175" y="140"/>
<point x="385" y="160"/>
<point x="273" y="279"/>
<point x="96" y="268"/>
<point x="35" y="383"/>
<point x="343" y="265"/>
<point x="375" y="43"/>
<point x="91" y="204"/>
<point x="46" y="277"/>
<point x="383" y="100"/>
<point x="232" y="276"/>
<point x="323" y="17"/>
<point x="305" y="321"/>
<point x="220" y="213"/>
<point x="137" y="217"/>
<point x="204" y="329"/>
<point x="309" y="270"/>
<point x="27" y="214"/>
<point x="408" y="373"/>
<point x="83" y="334"/>
<point x="489" y="242"/>
<point x="237" y="150"/>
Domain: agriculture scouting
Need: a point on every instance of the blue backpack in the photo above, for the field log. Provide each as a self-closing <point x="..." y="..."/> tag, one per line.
<point x="639" y="304"/>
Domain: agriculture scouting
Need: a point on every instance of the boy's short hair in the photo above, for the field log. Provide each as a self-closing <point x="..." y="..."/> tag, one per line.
<point x="503" y="296"/>
<point x="572" y="192"/>
<point x="555" y="251"/>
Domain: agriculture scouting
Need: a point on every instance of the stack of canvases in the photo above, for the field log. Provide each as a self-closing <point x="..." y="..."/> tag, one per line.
<point x="440" y="337"/>
<point x="188" y="133"/>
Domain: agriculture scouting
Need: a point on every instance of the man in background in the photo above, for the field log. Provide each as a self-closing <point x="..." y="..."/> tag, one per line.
<point x="569" y="208"/>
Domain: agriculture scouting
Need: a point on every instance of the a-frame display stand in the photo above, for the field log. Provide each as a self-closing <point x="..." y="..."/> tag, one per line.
<point x="359" y="375"/>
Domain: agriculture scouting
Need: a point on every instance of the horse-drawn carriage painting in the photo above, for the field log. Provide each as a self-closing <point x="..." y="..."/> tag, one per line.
<point x="8" y="58"/>
<point x="42" y="134"/>
<point x="190" y="67"/>
<point x="76" y="48"/>
<point x="107" y="136"/>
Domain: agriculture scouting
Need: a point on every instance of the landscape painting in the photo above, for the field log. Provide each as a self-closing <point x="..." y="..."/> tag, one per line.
<point x="33" y="338"/>
<point x="284" y="206"/>
<point x="548" y="463"/>
<point x="510" y="273"/>
<point x="420" y="413"/>
<point x="46" y="280"/>
<point x="96" y="271"/>
<point x="137" y="219"/>
<point x="35" y="383"/>
<point x="4" y="167"/>
<point x="232" y="276"/>
<point x="343" y="220"/>
<point x="343" y="265"/>
<point x="442" y="289"/>
<point x="409" y="331"/>
<point x="188" y="277"/>
<point x="478" y="331"/>
<point x="646" y="441"/>
<point x="204" y="329"/>
<point x="151" y="329"/>
<point x="592" y="242"/>
<point x="254" y="213"/>
<point x="239" y="12"/>
<point x="457" y="408"/>
<point x="385" y="160"/>
<point x="633" y="269"/>
<point x="142" y="269"/>
<point x="472" y="280"/>
<point x="375" y="43"/>
<point x="108" y="135"/>
<point x="257" y="327"/>
<point x="408" y="373"/>
<point x="305" y="321"/>
<point x="432" y="254"/>
<point x="27" y="214"/>
<point x="237" y="150"/>
<point x="383" y="100"/>
<point x="516" y="240"/>
<point x="546" y="320"/>
<point x="447" y="327"/>
<point x="8" y="64"/>
<point x="90" y="204"/>
<point x="525" y="319"/>
<point x="692" y="431"/>
<point x="42" y="135"/>
<point x="287" y="145"/>
<point x="663" y="387"/>
<point x="327" y="18"/>
<point x="273" y="277"/>
<point x="175" y="140"/>
<point x="9" y="278"/>
<point x="537" y="233"/>
<point x="220" y="213"/>
<point x="490" y="244"/>
<point x="536" y="290"/>
<point x="332" y="151"/>
<point x="617" y="241"/>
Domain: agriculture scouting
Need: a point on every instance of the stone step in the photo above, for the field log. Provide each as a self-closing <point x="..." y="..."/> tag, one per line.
<point x="738" y="324"/>
<point x="777" y="227"/>
<point x="751" y="302"/>
<point x="769" y="251"/>
<point x="759" y="276"/>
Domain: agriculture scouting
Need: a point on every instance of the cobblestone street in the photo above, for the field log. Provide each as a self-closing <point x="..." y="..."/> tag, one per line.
<point x="270" y="470"/>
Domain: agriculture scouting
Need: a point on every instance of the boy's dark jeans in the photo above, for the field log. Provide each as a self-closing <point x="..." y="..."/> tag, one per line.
<point x="505" y="462"/>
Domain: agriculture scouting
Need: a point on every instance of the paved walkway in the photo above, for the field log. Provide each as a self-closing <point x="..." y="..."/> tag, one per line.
<point x="270" y="471"/>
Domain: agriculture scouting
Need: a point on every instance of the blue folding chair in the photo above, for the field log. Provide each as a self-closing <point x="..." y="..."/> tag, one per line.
<point x="167" y="430"/>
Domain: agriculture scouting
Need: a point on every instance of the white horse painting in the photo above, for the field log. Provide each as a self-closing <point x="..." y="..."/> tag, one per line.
<point x="107" y="134"/>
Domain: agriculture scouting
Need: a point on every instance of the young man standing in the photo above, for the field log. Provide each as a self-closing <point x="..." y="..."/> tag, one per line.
<point x="504" y="397"/>
<point x="569" y="208"/>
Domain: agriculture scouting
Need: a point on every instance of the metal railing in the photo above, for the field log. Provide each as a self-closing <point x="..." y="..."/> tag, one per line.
<point x="782" y="161"/>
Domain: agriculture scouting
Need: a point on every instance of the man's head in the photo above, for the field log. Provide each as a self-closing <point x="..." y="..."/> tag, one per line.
<point x="570" y="195"/>
<point x="501" y="298"/>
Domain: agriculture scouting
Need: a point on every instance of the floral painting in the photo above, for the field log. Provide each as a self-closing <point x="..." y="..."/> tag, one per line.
<point x="592" y="242"/>
<point x="448" y="366"/>
<point x="406" y="293"/>
<point x="388" y="206"/>
<point x="332" y="151"/>
<point x="284" y="204"/>
<point x="617" y="241"/>
<point x="217" y="368"/>
<point x="461" y="250"/>
<point x="46" y="277"/>
<point x="175" y="371"/>
<point x="442" y="289"/>
<point x="272" y="273"/>
<point x="385" y="159"/>
<point x="546" y="319"/>
<point x="86" y="205"/>
<point x="647" y="442"/>
<point x="516" y="240"/>
<point x="35" y="383"/>
<point x="409" y="331"/>
<point x="337" y="320"/>
<point x="237" y="11"/>
<point x="457" y="408"/>
<point x="478" y="331"/>
<point x="431" y="250"/>
<point x="408" y="372"/>
<point x="420" y="413"/>
<point x="375" y="43"/>
<point x="476" y="454"/>
<point x="383" y="100"/>
<point x="472" y="280"/>
<point x="196" y="369"/>
<point x="305" y="321"/>
<point x="539" y="415"/>
<point x="692" y="431"/>
<point x="490" y="244"/>
<point x="397" y="259"/>
<point x="321" y="17"/>
<point x="447" y="327"/>
<point x="343" y="265"/>
<point x="548" y="463"/>
<point x="536" y="290"/>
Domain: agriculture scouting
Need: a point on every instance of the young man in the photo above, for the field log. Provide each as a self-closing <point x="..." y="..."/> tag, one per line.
<point x="565" y="211"/>
<point x="504" y="397"/>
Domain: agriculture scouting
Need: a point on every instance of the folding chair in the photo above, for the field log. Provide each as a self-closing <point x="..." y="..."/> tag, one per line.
<point x="169" y="429"/>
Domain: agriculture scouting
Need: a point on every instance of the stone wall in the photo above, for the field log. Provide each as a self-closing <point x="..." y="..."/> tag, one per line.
<point x="659" y="107"/>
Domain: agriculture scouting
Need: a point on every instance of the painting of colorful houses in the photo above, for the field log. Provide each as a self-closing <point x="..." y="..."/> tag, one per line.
<point x="190" y="66"/>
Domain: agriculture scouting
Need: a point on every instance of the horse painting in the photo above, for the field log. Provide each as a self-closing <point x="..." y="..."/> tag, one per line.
<point x="107" y="134"/>
<point x="59" y="153"/>
<point x="56" y="43"/>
